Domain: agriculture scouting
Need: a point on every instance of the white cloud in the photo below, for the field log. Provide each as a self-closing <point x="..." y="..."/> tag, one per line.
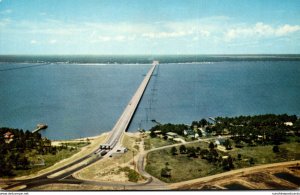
<point x="53" y="41"/>
<point x="33" y="42"/>
<point x="260" y="30"/>
<point x="286" y="29"/>
<point x="4" y="22"/>
<point x="7" y="11"/>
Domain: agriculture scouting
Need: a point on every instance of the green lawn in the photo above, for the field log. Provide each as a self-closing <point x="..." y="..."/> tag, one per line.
<point x="185" y="168"/>
<point x="156" y="142"/>
<point x="265" y="154"/>
<point x="49" y="160"/>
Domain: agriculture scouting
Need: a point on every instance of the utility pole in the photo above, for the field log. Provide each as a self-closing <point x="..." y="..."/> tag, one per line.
<point x="133" y="159"/>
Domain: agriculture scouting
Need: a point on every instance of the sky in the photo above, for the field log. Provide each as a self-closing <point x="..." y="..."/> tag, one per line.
<point x="147" y="27"/>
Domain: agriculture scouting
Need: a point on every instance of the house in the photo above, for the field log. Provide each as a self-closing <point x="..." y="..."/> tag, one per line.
<point x="288" y="124"/>
<point x="157" y="132"/>
<point x="172" y="134"/>
<point x="220" y="141"/>
<point x="203" y="132"/>
<point x="189" y="132"/>
<point x="122" y="150"/>
<point x="8" y="137"/>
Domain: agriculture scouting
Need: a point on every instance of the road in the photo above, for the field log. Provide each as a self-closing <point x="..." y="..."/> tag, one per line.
<point x="124" y="121"/>
<point x="114" y="139"/>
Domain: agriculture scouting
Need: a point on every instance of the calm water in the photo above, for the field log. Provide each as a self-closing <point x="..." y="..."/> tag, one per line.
<point x="85" y="100"/>
<point x="182" y="93"/>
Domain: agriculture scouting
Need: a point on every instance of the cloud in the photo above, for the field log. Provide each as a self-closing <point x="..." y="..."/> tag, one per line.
<point x="7" y="11"/>
<point x="43" y="13"/>
<point x="286" y="29"/>
<point x="260" y="30"/>
<point x="33" y="42"/>
<point x="53" y="41"/>
<point x="4" y="22"/>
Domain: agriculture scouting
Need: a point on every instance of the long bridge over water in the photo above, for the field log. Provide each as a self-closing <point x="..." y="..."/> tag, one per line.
<point x="124" y="120"/>
<point x="113" y="140"/>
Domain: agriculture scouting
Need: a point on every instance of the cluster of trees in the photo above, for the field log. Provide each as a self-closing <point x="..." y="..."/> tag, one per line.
<point x="260" y="129"/>
<point x="202" y="123"/>
<point x="13" y="154"/>
<point x="210" y="154"/>
<point x="166" y="171"/>
<point x="165" y="128"/>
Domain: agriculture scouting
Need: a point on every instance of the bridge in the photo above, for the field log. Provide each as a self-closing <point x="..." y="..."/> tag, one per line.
<point x="115" y="135"/>
<point x="124" y="120"/>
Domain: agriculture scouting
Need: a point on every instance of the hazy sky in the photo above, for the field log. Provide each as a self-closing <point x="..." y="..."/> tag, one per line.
<point x="149" y="26"/>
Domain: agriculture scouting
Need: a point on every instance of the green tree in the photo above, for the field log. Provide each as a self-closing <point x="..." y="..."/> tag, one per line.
<point x="152" y="134"/>
<point x="228" y="144"/>
<point x="182" y="149"/>
<point x="239" y="156"/>
<point x="251" y="161"/>
<point x="276" y="149"/>
<point x="174" y="150"/>
<point x="211" y="145"/>
<point x="203" y="122"/>
<point x="198" y="150"/>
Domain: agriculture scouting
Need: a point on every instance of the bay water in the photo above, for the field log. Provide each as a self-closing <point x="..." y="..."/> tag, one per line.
<point x="80" y="100"/>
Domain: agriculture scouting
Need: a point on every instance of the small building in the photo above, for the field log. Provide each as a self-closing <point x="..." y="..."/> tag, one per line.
<point x="8" y="137"/>
<point x="122" y="150"/>
<point x="288" y="124"/>
<point x="172" y="134"/>
<point x="220" y="141"/>
<point x="225" y="157"/>
<point x="189" y="132"/>
<point x="157" y="132"/>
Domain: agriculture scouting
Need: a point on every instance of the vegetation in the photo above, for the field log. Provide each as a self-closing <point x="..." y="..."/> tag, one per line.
<point x="194" y="164"/>
<point x="261" y="129"/>
<point x="23" y="153"/>
<point x="165" y="128"/>
<point x="132" y="175"/>
<point x="254" y="140"/>
<point x="156" y="142"/>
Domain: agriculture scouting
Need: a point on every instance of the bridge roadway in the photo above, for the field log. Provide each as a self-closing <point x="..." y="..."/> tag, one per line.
<point x="124" y="121"/>
<point x="117" y="131"/>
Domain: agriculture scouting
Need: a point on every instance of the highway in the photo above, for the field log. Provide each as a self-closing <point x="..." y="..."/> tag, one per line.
<point x="113" y="140"/>
<point x="124" y="121"/>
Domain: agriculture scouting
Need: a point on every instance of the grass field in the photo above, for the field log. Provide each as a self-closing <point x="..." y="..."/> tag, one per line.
<point x="184" y="168"/>
<point x="49" y="160"/>
<point x="156" y="142"/>
<point x="265" y="154"/>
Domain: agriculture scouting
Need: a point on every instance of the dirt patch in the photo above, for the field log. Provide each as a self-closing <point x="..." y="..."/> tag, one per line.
<point x="252" y="179"/>
<point x="109" y="169"/>
<point x="62" y="187"/>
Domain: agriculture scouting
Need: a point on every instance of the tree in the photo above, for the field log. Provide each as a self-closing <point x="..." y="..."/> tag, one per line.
<point x="174" y="150"/>
<point x="251" y="161"/>
<point x="239" y="156"/>
<point x="182" y="149"/>
<point x="204" y="153"/>
<point x="152" y="134"/>
<point x="192" y="152"/>
<point x="166" y="172"/>
<point x="227" y="144"/>
<point x="276" y="149"/>
<point x="165" y="137"/>
<point x="203" y="122"/>
<point x="198" y="150"/>
<point x="211" y="145"/>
